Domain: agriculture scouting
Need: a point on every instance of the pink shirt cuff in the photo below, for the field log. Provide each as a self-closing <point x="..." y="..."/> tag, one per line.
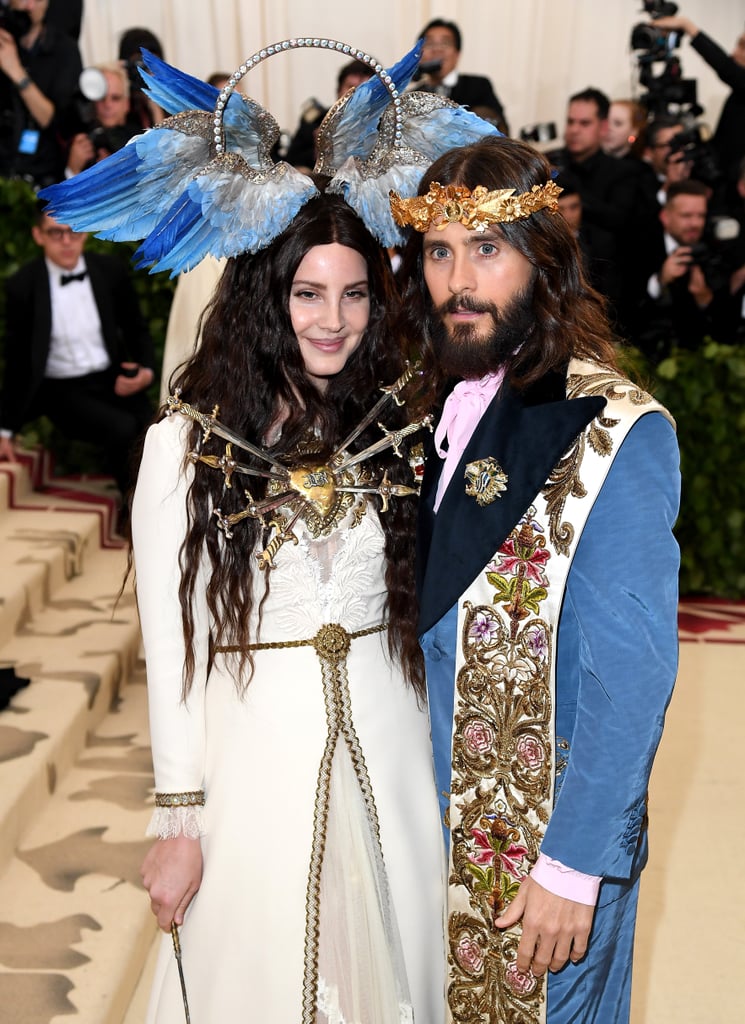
<point x="566" y="882"/>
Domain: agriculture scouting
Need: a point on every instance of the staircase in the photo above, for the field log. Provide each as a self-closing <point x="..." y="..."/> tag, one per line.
<point x="75" y="769"/>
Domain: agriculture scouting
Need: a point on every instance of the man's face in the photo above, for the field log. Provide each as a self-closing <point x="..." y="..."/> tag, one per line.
<point x="738" y="54"/>
<point x="36" y="9"/>
<point x="61" y="244"/>
<point x="112" y="110"/>
<point x="570" y="208"/>
<point x="439" y="44"/>
<point x="659" y="151"/>
<point x="350" y="82"/>
<point x="684" y="218"/>
<point x="480" y="287"/>
<point x="584" y="129"/>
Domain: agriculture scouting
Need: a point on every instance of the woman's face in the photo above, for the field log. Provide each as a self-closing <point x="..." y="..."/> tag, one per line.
<point x="617" y="138"/>
<point x="329" y="308"/>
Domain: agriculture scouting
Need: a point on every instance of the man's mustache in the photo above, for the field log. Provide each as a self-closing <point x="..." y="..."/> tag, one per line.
<point x="466" y="304"/>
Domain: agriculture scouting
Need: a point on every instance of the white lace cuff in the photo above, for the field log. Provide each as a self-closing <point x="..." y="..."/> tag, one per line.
<point x="178" y="814"/>
<point x="169" y="822"/>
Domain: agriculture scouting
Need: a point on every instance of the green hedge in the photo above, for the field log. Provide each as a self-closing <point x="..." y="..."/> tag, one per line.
<point x="705" y="392"/>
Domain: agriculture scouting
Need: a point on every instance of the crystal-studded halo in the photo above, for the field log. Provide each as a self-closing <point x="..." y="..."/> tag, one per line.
<point x="303" y="42"/>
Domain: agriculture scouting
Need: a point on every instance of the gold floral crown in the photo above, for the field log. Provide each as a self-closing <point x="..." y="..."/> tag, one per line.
<point x="457" y="204"/>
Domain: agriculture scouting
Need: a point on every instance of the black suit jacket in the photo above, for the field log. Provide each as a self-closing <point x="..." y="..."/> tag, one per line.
<point x="527" y="433"/>
<point x="474" y="91"/>
<point x="29" y="325"/>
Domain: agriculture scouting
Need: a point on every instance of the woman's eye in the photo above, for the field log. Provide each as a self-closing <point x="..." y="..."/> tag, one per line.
<point x="356" y="293"/>
<point x="304" y="294"/>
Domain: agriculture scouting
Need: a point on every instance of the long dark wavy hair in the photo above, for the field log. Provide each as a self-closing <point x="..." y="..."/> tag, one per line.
<point x="570" y="316"/>
<point x="249" y="364"/>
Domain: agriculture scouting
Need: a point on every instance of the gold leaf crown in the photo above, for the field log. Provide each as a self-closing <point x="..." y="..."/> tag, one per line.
<point x="457" y="204"/>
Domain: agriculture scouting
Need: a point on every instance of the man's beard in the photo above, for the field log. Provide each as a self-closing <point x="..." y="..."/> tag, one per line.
<point x="469" y="354"/>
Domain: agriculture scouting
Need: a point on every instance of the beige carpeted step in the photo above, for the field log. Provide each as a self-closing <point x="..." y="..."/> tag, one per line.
<point x="75" y="769"/>
<point x="75" y="924"/>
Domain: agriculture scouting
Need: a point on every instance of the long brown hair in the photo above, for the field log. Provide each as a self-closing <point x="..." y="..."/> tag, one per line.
<point x="570" y="316"/>
<point x="249" y="363"/>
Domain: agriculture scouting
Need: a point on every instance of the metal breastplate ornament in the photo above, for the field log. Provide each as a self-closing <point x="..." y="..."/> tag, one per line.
<point x="320" y="494"/>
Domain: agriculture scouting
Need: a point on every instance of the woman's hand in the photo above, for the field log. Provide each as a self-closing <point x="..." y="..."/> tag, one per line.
<point x="172" y="873"/>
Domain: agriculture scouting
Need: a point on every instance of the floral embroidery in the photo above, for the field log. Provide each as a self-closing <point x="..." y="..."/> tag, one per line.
<point x="521" y="983"/>
<point x="469" y="955"/>
<point x="520" y="563"/>
<point x="502" y="777"/>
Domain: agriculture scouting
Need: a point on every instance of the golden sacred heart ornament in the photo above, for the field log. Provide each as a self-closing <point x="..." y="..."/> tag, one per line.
<point x="316" y="485"/>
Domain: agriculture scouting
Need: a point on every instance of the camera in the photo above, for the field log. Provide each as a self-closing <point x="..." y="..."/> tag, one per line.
<point x="543" y="132"/>
<point x="18" y="23"/>
<point x="714" y="253"/>
<point x="660" y="9"/>
<point x="654" y="46"/>
<point x="426" y="67"/>
<point x="693" y="144"/>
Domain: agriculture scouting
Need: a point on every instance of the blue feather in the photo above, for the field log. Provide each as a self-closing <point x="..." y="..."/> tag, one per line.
<point x="355" y="126"/>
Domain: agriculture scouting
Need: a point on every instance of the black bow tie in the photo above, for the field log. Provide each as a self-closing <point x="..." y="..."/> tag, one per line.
<point x="66" y="278"/>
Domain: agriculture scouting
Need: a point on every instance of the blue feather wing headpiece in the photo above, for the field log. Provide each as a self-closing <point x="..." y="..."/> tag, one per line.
<point x="203" y="182"/>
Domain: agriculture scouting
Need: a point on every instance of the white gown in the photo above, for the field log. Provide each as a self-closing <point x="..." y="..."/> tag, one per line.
<point x="279" y="871"/>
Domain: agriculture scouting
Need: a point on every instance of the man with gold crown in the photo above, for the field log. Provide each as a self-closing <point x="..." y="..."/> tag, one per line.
<point x="547" y="575"/>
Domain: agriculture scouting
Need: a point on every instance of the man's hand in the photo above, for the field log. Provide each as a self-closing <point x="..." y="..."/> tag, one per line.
<point x="7" y="450"/>
<point x="10" y="62"/>
<point x="81" y="153"/>
<point x="698" y="287"/>
<point x="737" y="280"/>
<point x="677" y="23"/>
<point x="132" y="382"/>
<point x="172" y="873"/>
<point x="554" y="929"/>
<point x="676" y="265"/>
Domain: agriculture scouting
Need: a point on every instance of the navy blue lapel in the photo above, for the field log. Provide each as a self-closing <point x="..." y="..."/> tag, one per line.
<point x="527" y="434"/>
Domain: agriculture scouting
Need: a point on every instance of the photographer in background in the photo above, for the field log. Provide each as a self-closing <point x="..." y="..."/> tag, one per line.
<point x="110" y="128"/>
<point x="440" y="56"/>
<point x="729" y="138"/>
<point x="143" y="112"/>
<point x="688" y="291"/>
<point x="39" y="69"/>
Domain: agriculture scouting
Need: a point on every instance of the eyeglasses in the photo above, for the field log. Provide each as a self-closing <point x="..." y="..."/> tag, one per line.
<point x="438" y="44"/>
<point x="57" y="234"/>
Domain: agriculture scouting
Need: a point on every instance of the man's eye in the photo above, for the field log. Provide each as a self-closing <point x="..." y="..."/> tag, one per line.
<point x="487" y="248"/>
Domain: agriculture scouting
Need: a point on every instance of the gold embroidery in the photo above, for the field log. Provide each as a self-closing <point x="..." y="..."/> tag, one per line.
<point x="485" y="480"/>
<point x="564" y="481"/>
<point x="501" y="788"/>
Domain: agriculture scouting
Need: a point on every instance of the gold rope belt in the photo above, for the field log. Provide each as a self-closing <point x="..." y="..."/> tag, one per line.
<point x="330" y="642"/>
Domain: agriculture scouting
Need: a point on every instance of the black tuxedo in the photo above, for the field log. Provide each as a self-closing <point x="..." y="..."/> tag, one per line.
<point x="86" y="407"/>
<point x="473" y="91"/>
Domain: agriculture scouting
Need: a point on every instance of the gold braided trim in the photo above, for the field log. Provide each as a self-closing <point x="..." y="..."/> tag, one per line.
<point x="195" y="798"/>
<point x="330" y="642"/>
<point x="457" y="204"/>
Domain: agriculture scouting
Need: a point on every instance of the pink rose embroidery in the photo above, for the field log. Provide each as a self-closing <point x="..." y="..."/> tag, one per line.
<point x="469" y="955"/>
<point x="522" y="984"/>
<point x="530" y="752"/>
<point x="479" y="737"/>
